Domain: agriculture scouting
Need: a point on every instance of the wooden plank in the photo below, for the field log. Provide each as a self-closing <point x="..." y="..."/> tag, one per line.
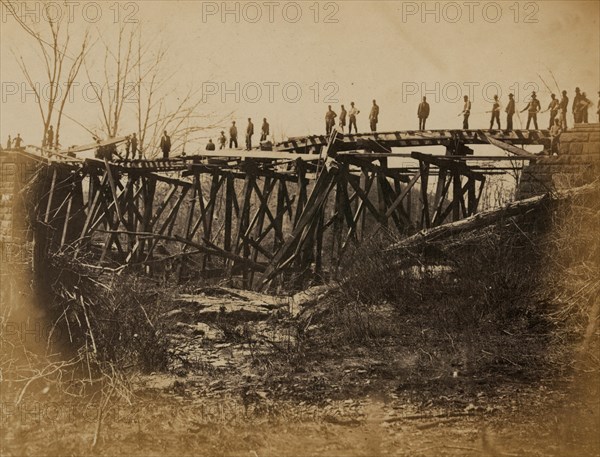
<point x="63" y="238"/>
<point x="51" y="195"/>
<point x="319" y="194"/>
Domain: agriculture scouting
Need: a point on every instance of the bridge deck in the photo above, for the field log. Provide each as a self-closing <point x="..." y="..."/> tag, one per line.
<point x="408" y="138"/>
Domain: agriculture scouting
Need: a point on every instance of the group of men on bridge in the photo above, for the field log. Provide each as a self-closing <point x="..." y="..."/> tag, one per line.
<point x="14" y="143"/>
<point x="557" y="108"/>
<point x="330" y="116"/>
<point x="557" y="123"/>
<point x="233" y="136"/>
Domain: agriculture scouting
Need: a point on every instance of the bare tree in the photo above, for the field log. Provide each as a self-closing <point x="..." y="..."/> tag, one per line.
<point x="135" y="80"/>
<point x="118" y="79"/>
<point x="62" y="59"/>
<point x="155" y="113"/>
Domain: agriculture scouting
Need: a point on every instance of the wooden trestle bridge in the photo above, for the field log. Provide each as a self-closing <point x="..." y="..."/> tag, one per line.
<point x="261" y="216"/>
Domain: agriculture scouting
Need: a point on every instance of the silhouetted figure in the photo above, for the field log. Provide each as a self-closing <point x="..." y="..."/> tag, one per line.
<point x="127" y="147"/>
<point x="17" y="141"/>
<point x="423" y="113"/>
<point x="343" y="114"/>
<point x="553" y="108"/>
<point x="233" y="135"/>
<point x="532" y="108"/>
<point x="249" y="133"/>
<point x="210" y="146"/>
<point x="555" y="132"/>
<point x="466" y="112"/>
<point x="374" y="116"/>
<point x="575" y="109"/>
<point x="563" y="105"/>
<point x="222" y="140"/>
<point x="329" y="120"/>
<point x="165" y="145"/>
<point x="584" y="104"/>
<point x="9" y="143"/>
<point x="134" y="146"/>
<point x="352" y="118"/>
<point x="264" y="130"/>
<point x="510" y="111"/>
<point x="495" y="113"/>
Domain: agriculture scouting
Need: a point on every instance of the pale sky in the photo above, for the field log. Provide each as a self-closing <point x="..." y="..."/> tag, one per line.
<point x="353" y="51"/>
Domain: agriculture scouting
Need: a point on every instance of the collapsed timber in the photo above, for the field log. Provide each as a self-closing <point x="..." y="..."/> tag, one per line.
<point x="267" y="219"/>
<point x="505" y="266"/>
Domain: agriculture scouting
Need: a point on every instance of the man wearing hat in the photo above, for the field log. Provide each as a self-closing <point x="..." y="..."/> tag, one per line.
<point x="495" y="113"/>
<point x="233" y="134"/>
<point x="532" y="108"/>
<point x="222" y="140"/>
<point x="510" y="111"/>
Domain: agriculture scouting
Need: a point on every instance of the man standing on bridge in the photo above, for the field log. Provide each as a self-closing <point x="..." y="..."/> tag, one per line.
<point x="584" y="104"/>
<point x="553" y="108"/>
<point x="495" y="113"/>
<point x="374" y="116"/>
<point x="9" y="143"/>
<point x="249" y="133"/>
<point x="343" y="113"/>
<point x="18" y="140"/>
<point x="510" y="111"/>
<point x="532" y="108"/>
<point x="165" y="145"/>
<point x="563" y="106"/>
<point x="222" y="140"/>
<point x="466" y="112"/>
<point x="127" y="147"/>
<point x="264" y="130"/>
<point x="329" y="120"/>
<point x="233" y="133"/>
<point x="352" y="115"/>
<point x="210" y="146"/>
<point x="423" y="113"/>
<point x="575" y="109"/>
<point x="134" y="146"/>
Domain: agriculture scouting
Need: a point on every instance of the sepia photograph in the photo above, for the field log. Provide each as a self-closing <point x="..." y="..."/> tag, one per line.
<point x="312" y="228"/>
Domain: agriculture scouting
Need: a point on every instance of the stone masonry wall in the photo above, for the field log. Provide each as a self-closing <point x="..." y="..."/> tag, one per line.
<point x="16" y="170"/>
<point x="577" y="163"/>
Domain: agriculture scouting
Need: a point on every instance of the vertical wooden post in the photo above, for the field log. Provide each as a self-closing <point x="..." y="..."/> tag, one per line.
<point x="472" y="203"/>
<point x="425" y="218"/>
<point x="229" y="196"/>
<point x="456" y="196"/>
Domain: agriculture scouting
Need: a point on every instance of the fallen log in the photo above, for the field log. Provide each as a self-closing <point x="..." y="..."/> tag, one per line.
<point x="489" y="217"/>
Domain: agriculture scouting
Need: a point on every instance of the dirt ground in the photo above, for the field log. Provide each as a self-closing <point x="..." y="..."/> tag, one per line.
<point x="396" y="398"/>
<point x="173" y="416"/>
